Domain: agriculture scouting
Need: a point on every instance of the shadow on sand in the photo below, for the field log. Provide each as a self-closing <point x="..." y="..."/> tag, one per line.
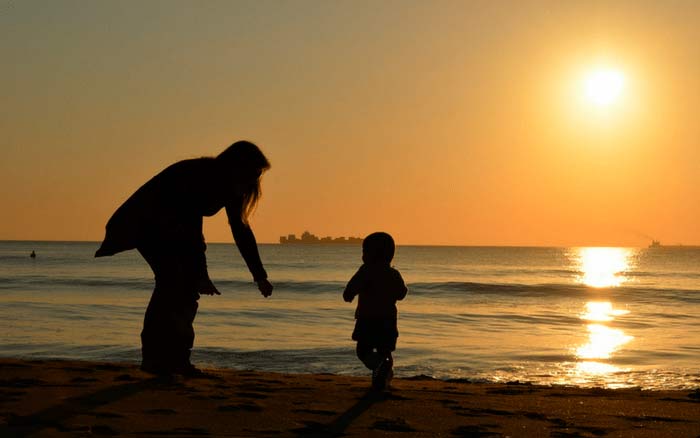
<point x="56" y="416"/>
<point x="338" y="426"/>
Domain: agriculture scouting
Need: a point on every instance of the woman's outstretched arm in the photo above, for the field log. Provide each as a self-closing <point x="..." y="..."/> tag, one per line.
<point x="248" y="247"/>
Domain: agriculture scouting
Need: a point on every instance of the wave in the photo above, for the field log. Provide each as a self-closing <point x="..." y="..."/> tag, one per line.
<point x="441" y="289"/>
<point x="140" y="284"/>
<point x="77" y="283"/>
<point x="545" y="289"/>
<point x="656" y="274"/>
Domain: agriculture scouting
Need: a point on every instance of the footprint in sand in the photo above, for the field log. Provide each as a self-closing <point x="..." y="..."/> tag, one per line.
<point x="21" y="383"/>
<point x="108" y="415"/>
<point x="394" y="396"/>
<point x="256" y="388"/>
<point x="11" y="396"/>
<point x="247" y="407"/>
<point x="396" y="425"/>
<point x="507" y="391"/>
<point x="124" y="378"/>
<point x="254" y="395"/>
<point x="180" y="431"/>
<point x="15" y="365"/>
<point x="311" y="428"/>
<point x="77" y="369"/>
<point x="84" y="380"/>
<point x="316" y="412"/>
<point x="163" y="411"/>
<point x="475" y="432"/>
<point x="102" y="430"/>
<point x="472" y="412"/>
<point x="109" y="367"/>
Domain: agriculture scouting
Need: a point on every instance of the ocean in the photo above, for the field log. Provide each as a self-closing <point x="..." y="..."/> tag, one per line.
<point x="603" y="317"/>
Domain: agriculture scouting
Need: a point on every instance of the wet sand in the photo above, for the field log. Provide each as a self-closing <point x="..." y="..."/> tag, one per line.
<point x="72" y="398"/>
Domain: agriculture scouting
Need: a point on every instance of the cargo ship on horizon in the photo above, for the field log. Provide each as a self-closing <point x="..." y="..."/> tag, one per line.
<point x="655" y="244"/>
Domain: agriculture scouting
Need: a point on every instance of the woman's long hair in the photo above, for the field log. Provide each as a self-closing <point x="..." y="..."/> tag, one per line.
<point x="248" y="162"/>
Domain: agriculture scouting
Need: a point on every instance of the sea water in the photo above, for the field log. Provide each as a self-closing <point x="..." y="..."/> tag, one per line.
<point x="610" y="317"/>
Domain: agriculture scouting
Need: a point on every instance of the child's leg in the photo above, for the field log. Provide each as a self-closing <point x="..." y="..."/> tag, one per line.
<point x="382" y="374"/>
<point x="384" y="354"/>
<point x="365" y="352"/>
<point x="387" y="342"/>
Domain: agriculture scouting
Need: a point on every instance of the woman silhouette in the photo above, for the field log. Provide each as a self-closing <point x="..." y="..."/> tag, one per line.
<point x="163" y="221"/>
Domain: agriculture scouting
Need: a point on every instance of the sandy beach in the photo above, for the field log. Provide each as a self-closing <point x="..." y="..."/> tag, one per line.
<point x="73" y="398"/>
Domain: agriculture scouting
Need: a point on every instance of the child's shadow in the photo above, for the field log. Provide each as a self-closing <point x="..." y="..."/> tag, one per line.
<point x="338" y="426"/>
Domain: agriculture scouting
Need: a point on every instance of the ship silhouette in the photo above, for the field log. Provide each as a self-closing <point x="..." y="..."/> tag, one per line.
<point x="655" y="244"/>
<point x="311" y="239"/>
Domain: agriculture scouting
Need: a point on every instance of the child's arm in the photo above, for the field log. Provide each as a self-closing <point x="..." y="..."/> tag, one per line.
<point x="354" y="285"/>
<point x="401" y="289"/>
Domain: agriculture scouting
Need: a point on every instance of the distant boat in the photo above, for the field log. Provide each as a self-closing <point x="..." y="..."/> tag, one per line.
<point x="656" y="244"/>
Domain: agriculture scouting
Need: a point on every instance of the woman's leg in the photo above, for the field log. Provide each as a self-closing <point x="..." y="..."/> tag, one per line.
<point x="168" y="335"/>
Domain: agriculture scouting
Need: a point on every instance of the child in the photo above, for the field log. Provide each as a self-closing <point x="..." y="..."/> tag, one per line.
<point x="378" y="286"/>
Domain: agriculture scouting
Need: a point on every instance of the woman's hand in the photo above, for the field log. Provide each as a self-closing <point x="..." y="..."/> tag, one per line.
<point x="265" y="287"/>
<point x="206" y="287"/>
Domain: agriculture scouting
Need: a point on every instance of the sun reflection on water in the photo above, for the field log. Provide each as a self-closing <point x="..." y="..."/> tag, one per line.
<point x="602" y="342"/>
<point x="601" y="311"/>
<point x="604" y="267"/>
<point x="601" y="268"/>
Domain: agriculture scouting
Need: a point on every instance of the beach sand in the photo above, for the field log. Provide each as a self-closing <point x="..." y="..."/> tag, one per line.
<point x="74" y="398"/>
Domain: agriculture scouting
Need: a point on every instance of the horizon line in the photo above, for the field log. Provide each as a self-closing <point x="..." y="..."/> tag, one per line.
<point x="676" y="245"/>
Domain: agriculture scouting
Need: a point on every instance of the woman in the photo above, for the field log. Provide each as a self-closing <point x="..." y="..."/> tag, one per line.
<point x="163" y="221"/>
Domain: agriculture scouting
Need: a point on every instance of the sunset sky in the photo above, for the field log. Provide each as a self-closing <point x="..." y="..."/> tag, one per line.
<point x="441" y="122"/>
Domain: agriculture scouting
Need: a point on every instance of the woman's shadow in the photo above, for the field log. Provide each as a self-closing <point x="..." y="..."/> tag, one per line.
<point x="55" y="416"/>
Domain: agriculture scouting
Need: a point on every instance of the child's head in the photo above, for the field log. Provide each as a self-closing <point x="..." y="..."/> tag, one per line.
<point x="378" y="248"/>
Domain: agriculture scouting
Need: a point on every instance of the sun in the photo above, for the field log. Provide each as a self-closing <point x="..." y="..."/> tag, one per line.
<point x="604" y="86"/>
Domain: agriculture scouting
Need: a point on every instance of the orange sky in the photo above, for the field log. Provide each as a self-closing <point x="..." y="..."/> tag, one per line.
<point x="452" y="123"/>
